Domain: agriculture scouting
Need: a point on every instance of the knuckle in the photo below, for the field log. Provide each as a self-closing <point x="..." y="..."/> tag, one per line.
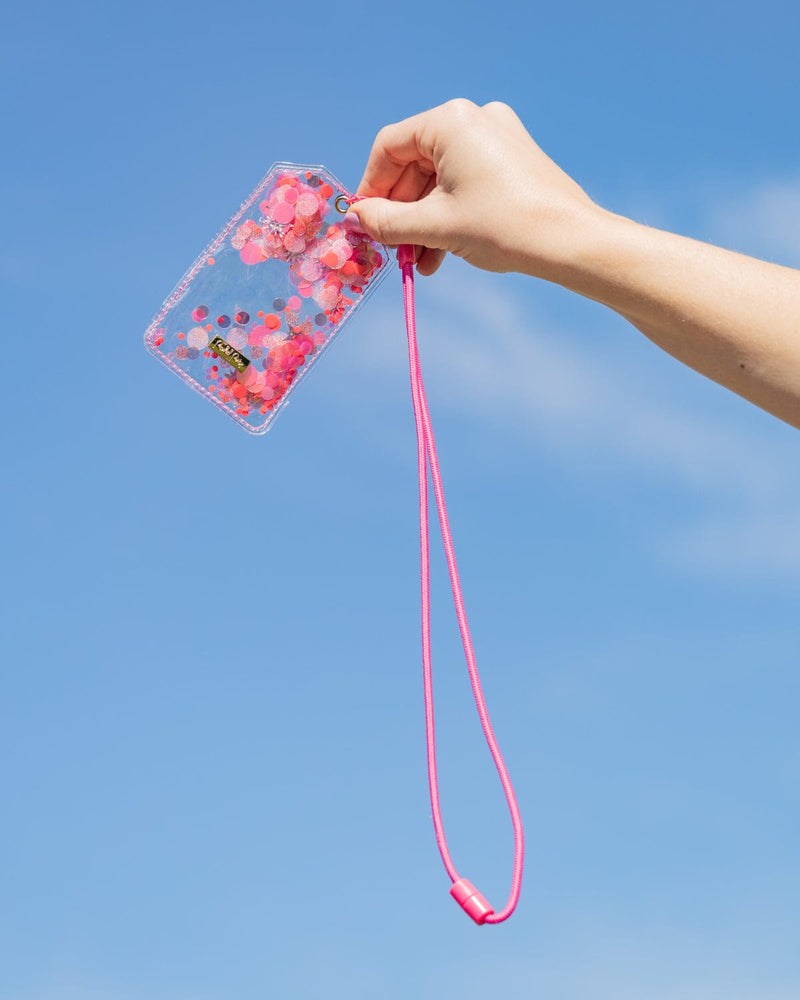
<point x="384" y="137"/>
<point x="460" y="106"/>
<point x="499" y="108"/>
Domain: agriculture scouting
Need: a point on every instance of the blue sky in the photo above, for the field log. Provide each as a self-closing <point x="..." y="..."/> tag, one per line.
<point x="202" y="804"/>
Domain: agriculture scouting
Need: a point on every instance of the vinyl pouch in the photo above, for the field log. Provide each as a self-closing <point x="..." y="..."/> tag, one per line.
<point x="255" y="312"/>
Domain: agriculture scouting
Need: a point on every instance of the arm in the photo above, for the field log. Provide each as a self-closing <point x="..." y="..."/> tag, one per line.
<point x="471" y="181"/>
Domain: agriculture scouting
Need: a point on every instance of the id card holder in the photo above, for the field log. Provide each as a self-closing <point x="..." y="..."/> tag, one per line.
<point x="258" y="308"/>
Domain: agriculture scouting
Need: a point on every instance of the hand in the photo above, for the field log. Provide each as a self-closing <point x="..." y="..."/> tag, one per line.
<point x="470" y="180"/>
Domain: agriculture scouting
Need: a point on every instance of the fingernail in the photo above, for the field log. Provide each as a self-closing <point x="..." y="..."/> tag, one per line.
<point x="351" y="221"/>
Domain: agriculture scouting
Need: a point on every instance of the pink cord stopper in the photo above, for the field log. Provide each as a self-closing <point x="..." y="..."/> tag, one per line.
<point x="470" y="900"/>
<point x="405" y="254"/>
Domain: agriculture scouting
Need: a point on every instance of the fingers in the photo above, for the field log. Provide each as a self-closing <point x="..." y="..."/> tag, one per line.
<point x="412" y="141"/>
<point x="423" y="223"/>
<point x="399" y="184"/>
<point x="395" y="147"/>
<point x="414" y="183"/>
<point x="430" y="261"/>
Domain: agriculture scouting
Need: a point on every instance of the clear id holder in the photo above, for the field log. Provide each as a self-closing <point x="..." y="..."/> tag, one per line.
<point x="258" y="308"/>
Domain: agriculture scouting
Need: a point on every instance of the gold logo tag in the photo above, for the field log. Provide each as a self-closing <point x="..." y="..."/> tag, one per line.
<point x="229" y="353"/>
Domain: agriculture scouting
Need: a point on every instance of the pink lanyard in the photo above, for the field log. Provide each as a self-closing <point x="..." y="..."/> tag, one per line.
<point x="463" y="891"/>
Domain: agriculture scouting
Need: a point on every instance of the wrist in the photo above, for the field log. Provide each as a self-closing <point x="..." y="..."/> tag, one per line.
<point x="570" y="245"/>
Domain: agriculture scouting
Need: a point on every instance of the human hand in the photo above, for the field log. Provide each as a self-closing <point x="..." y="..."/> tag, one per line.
<point x="470" y="180"/>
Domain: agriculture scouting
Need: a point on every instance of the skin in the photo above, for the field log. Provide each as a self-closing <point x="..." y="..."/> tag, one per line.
<point x="471" y="181"/>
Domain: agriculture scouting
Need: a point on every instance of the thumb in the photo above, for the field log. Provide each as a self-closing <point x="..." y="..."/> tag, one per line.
<point x="394" y="222"/>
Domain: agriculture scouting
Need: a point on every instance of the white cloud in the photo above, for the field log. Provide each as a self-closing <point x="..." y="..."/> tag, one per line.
<point x="491" y="360"/>
<point x="627" y="979"/>
<point x="764" y="221"/>
<point x="588" y="953"/>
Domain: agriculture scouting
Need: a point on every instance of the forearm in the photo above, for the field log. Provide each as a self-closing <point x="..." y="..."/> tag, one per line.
<point x="471" y="181"/>
<point x="732" y="318"/>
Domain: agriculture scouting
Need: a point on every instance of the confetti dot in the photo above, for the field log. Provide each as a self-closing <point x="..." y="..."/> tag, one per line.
<point x="181" y="336"/>
<point x="211" y="260"/>
<point x="283" y="213"/>
<point x="251" y="254"/>
<point x="272" y="321"/>
<point x="310" y="269"/>
<point x="294" y="244"/>
<point x="320" y="319"/>
<point x="278" y="305"/>
<point x="197" y="337"/>
<point x="248" y="376"/>
<point x="307" y="204"/>
<point x="326" y="190"/>
<point x="199" y="314"/>
<point x="294" y="303"/>
<point x="257" y="334"/>
<point x="237" y="338"/>
<point x="209" y="327"/>
<point x="193" y="353"/>
<point x="242" y="317"/>
<point x="223" y="321"/>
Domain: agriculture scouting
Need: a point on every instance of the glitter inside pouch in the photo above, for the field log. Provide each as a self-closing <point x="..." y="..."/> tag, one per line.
<point x="256" y="310"/>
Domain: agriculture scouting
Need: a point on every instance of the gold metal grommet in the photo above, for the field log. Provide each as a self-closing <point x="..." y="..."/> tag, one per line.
<point x="341" y="200"/>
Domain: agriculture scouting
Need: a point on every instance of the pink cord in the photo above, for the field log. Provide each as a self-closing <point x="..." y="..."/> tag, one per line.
<point x="463" y="891"/>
